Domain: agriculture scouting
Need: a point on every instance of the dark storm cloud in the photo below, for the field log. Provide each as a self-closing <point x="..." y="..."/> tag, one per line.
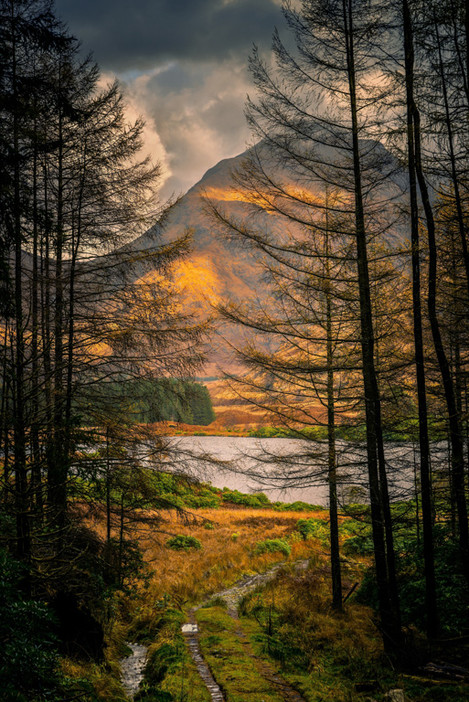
<point x="135" y="35"/>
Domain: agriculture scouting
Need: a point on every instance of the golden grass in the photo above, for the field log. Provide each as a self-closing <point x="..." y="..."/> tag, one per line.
<point x="227" y="553"/>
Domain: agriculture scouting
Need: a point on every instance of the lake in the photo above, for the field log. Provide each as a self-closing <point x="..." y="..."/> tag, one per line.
<point x="292" y="469"/>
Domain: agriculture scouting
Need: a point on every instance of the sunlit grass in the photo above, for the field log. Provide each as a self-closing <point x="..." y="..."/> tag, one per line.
<point x="228" y="550"/>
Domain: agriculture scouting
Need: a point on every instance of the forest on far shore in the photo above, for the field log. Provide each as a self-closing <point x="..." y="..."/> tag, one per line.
<point x="152" y="400"/>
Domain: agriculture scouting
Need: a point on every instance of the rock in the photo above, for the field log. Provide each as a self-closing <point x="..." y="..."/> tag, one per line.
<point x="395" y="696"/>
<point x="189" y="628"/>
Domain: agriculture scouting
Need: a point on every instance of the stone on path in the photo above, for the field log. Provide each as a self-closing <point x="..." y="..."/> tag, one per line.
<point x="189" y="628"/>
<point x="395" y="696"/>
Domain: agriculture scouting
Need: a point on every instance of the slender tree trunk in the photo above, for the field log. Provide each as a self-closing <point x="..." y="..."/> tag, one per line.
<point x="452" y="156"/>
<point x="455" y="432"/>
<point x="36" y="477"/>
<point x="389" y="614"/>
<point x="57" y="476"/>
<point x="5" y="417"/>
<point x="332" y="458"/>
<point x="466" y="32"/>
<point x="121" y="538"/>
<point x="108" y="490"/>
<point x="23" y="545"/>
<point x="424" y="444"/>
<point x="45" y="316"/>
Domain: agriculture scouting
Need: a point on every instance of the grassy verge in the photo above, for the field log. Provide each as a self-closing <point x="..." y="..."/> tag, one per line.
<point x="170" y="673"/>
<point x="231" y="665"/>
<point x="328" y="656"/>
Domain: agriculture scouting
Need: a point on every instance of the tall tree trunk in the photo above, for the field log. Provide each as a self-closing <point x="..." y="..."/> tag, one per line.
<point x="5" y="417"/>
<point x="108" y="489"/>
<point x="332" y="458"/>
<point x="389" y="612"/>
<point x="452" y="156"/>
<point x="23" y="545"/>
<point x="455" y="431"/>
<point x="57" y="476"/>
<point x="424" y="444"/>
<point x="36" y="477"/>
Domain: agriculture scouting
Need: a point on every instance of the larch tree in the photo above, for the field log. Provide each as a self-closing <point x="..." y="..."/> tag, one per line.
<point x="318" y="118"/>
<point x="88" y="305"/>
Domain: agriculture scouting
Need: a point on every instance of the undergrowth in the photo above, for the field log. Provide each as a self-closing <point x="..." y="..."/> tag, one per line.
<point x="232" y="666"/>
<point x="170" y="673"/>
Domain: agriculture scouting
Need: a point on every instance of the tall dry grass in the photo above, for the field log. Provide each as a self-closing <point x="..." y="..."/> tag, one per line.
<point x="227" y="550"/>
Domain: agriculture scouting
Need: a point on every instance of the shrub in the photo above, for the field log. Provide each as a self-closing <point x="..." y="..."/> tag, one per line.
<point x="273" y="546"/>
<point x="313" y="528"/>
<point x="297" y="506"/>
<point x="257" y="499"/>
<point x="183" y="543"/>
<point x="29" y="647"/>
<point x="361" y="544"/>
<point x="453" y="594"/>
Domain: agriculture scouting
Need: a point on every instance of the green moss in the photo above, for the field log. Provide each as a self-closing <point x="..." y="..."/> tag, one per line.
<point x="170" y="673"/>
<point x="229" y="660"/>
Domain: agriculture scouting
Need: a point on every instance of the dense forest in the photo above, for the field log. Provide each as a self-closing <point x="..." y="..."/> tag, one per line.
<point x="74" y="193"/>
<point x="148" y="401"/>
<point x="361" y="159"/>
<point x="355" y="202"/>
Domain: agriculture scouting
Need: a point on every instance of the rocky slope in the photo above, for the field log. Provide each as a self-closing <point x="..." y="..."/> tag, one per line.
<point x="219" y="269"/>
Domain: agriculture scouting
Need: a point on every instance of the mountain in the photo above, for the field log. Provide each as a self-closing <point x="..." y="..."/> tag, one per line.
<point x="217" y="269"/>
<point x="220" y="269"/>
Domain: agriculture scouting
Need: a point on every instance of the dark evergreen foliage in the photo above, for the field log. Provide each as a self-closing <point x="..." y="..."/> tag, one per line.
<point x="149" y="401"/>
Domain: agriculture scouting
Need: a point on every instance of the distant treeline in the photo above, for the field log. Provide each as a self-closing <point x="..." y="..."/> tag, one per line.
<point x="147" y="401"/>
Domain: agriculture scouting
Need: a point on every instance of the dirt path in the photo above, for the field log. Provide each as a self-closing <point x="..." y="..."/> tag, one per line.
<point x="192" y="638"/>
<point x="232" y="596"/>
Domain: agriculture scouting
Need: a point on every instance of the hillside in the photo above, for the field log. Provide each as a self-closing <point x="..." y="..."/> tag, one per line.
<point x="219" y="268"/>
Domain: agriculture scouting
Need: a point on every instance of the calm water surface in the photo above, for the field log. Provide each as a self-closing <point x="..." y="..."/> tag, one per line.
<point x="252" y="465"/>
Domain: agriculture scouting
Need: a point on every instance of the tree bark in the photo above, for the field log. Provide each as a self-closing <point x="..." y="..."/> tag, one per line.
<point x="424" y="445"/>
<point x="388" y="607"/>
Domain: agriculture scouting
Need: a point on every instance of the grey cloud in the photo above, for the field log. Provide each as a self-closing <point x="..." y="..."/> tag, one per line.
<point x="124" y="35"/>
<point x="176" y="77"/>
<point x="199" y="122"/>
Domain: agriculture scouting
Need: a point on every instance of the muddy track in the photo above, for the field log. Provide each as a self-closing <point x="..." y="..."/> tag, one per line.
<point x="232" y="596"/>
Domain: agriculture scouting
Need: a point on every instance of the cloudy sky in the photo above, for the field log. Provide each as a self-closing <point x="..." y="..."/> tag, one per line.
<point x="184" y="67"/>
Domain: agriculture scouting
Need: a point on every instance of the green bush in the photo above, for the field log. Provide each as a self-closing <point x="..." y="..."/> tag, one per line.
<point x="257" y="499"/>
<point x="202" y="500"/>
<point x="273" y="546"/>
<point x="183" y="543"/>
<point x="313" y="528"/>
<point x="453" y="593"/>
<point x="297" y="506"/>
<point x="362" y="545"/>
<point x="29" y="647"/>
